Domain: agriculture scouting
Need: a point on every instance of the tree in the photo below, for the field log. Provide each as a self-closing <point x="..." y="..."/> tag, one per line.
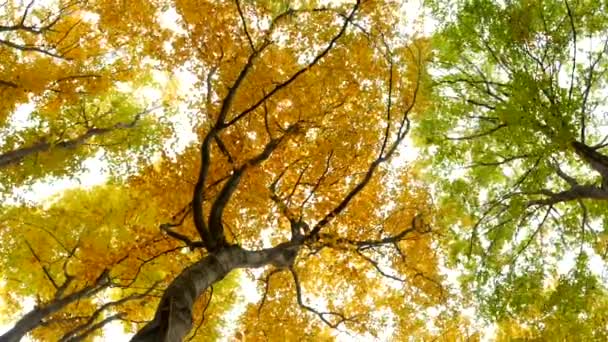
<point x="299" y="111"/>
<point x="69" y="94"/>
<point x="519" y="115"/>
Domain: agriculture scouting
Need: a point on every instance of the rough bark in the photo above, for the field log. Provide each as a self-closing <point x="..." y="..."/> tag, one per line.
<point x="577" y="192"/>
<point x="596" y="160"/>
<point x="173" y="318"/>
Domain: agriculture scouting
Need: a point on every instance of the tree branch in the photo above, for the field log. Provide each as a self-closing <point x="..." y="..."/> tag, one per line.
<point x="377" y="267"/>
<point x="478" y="135"/>
<point x="322" y="315"/>
<point x="596" y="160"/>
<point x="574" y="193"/>
<point x="238" y="6"/>
<point x="17" y="155"/>
<point x="401" y="134"/>
<point x="216" y="229"/>
<point x="33" y="318"/>
<point x="197" y="196"/>
<point x="82" y="331"/>
<point x="297" y="74"/>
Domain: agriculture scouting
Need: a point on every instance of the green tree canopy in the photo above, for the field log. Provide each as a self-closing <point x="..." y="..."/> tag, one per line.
<point x="517" y="133"/>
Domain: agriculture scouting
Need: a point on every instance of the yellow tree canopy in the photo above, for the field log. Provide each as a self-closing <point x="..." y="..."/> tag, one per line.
<point x="261" y="136"/>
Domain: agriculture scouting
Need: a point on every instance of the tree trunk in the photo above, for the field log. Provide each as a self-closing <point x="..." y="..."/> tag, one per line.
<point x="596" y="160"/>
<point x="173" y="318"/>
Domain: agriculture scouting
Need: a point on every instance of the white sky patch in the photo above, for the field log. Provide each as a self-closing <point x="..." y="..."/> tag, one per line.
<point x="22" y="117"/>
<point x="94" y="173"/>
<point x="407" y="153"/>
<point x="169" y="20"/>
<point x="182" y="118"/>
<point x="186" y="78"/>
<point x="596" y="265"/>
<point x="89" y="17"/>
<point x="566" y="263"/>
<point x="457" y="173"/>
<point x="417" y="19"/>
<point x="115" y="331"/>
<point x="250" y="293"/>
<point x="149" y="94"/>
<point x="266" y="236"/>
<point x="123" y="87"/>
<point x="184" y="136"/>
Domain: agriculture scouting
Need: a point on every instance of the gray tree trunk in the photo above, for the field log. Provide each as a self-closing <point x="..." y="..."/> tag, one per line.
<point x="173" y="318"/>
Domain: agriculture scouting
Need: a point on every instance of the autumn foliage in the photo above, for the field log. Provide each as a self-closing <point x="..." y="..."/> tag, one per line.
<point x="286" y="171"/>
<point x="297" y="113"/>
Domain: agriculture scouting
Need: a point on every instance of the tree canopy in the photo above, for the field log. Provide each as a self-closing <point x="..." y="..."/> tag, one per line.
<point x="280" y="170"/>
<point x="519" y="112"/>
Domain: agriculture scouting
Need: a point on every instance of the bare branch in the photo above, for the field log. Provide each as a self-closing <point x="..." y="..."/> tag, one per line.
<point x="183" y="238"/>
<point x="216" y="230"/>
<point x="318" y="183"/>
<point x="32" y="48"/>
<point x="85" y="329"/>
<point x="224" y="149"/>
<point x="238" y="6"/>
<point x="94" y="327"/>
<point x="267" y="282"/>
<point x="571" y="181"/>
<point x="536" y="231"/>
<point x="32" y="319"/>
<point x="401" y="134"/>
<point x="504" y="160"/>
<point x="574" y="193"/>
<point x="297" y="74"/>
<point x="481" y="104"/>
<point x="478" y="135"/>
<point x="323" y="315"/>
<point x="388" y="108"/>
<point x="197" y="197"/>
<point x="596" y="160"/>
<point x="416" y="225"/>
<point x="44" y="269"/>
<point x="144" y="262"/>
<point x="588" y="85"/>
<point x="573" y="29"/>
<point x="377" y="267"/>
<point x="8" y="84"/>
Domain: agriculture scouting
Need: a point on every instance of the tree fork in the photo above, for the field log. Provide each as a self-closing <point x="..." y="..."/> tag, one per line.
<point x="173" y="318"/>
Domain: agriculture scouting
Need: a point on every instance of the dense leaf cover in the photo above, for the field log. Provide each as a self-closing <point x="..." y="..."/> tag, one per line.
<point x="519" y="126"/>
<point x="303" y="170"/>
